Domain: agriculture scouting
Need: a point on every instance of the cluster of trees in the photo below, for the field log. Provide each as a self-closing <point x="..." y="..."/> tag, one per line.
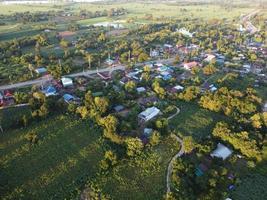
<point x="109" y="13"/>
<point x="189" y="94"/>
<point x="212" y="185"/>
<point x="239" y="140"/>
<point x="232" y="102"/>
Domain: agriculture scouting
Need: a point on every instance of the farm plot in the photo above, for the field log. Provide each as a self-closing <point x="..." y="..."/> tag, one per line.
<point x="65" y="156"/>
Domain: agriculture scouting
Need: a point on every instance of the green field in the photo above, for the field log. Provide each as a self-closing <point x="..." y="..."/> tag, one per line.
<point x="143" y="177"/>
<point x="195" y="121"/>
<point x="65" y="156"/>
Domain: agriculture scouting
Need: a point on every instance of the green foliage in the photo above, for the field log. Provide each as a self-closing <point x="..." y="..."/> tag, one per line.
<point x="190" y="93"/>
<point x="188" y="144"/>
<point x="134" y="146"/>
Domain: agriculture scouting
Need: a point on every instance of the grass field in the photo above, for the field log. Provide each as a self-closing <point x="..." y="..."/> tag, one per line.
<point x="143" y="177"/>
<point x="65" y="156"/>
<point x="195" y="121"/>
<point x="253" y="184"/>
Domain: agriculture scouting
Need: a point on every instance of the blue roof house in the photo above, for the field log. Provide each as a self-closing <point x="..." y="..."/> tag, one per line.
<point x="50" y="91"/>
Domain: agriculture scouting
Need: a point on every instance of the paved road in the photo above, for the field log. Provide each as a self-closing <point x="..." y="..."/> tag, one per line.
<point x="42" y="80"/>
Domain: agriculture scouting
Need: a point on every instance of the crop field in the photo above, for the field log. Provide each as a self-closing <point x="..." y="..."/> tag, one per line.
<point x="146" y="173"/>
<point x="65" y="156"/>
<point x="195" y="121"/>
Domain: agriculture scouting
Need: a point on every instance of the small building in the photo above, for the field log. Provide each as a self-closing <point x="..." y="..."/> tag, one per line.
<point x="178" y="88"/>
<point x="119" y="108"/>
<point x="40" y="70"/>
<point x="50" y="91"/>
<point x="66" y="82"/>
<point x="209" y="58"/>
<point x="68" y="98"/>
<point x="148" y="132"/>
<point x="221" y="152"/>
<point x="140" y="89"/>
<point x="149" y="114"/>
<point x="190" y="65"/>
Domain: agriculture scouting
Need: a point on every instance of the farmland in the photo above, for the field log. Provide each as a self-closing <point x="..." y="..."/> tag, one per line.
<point x="137" y="100"/>
<point x="65" y="155"/>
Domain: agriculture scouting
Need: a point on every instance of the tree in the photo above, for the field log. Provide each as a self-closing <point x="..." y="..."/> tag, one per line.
<point x="101" y="37"/>
<point x="188" y="143"/>
<point x="209" y="69"/>
<point x="134" y="146"/>
<point x="130" y="86"/>
<point x="155" y="138"/>
<point x="101" y="104"/>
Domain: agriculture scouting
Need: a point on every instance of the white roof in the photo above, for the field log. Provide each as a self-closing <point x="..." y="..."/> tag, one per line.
<point x="178" y="87"/>
<point x="149" y="113"/>
<point x="221" y="152"/>
<point x="66" y="81"/>
<point x="141" y="89"/>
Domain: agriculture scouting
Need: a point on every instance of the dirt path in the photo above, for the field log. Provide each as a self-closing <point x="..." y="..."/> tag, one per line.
<point x="180" y="153"/>
<point x="170" y="166"/>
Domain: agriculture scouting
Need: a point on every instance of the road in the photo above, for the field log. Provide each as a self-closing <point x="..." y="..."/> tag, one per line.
<point x="42" y="80"/>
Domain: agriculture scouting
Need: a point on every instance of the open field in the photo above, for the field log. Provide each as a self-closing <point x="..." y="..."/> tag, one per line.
<point x="195" y="121"/>
<point x="66" y="154"/>
<point x="10" y="9"/>
<point x="143" y="177"/>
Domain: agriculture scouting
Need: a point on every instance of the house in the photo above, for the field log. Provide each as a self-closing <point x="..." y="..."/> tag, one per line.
<point x="66" y="82"/>
<point x="168" y="46"/>
<point x="119" y="108"/>
<point x="40" y="70"/>
<point x="247" y="67"/>
<point x="190" y="65"/>
<point x="149" y="114"/>
<point x="148" y="132"/>
<point x="154" y="53"/>
<point x="68" y="98"/>
<point x="50" y="91"/>
<point x="209" y="58"/>
<point x="140" y="89"/>
<point x="185" y="32"/>
<point x="221" y="152"/>
<point x="178" y="88"/>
